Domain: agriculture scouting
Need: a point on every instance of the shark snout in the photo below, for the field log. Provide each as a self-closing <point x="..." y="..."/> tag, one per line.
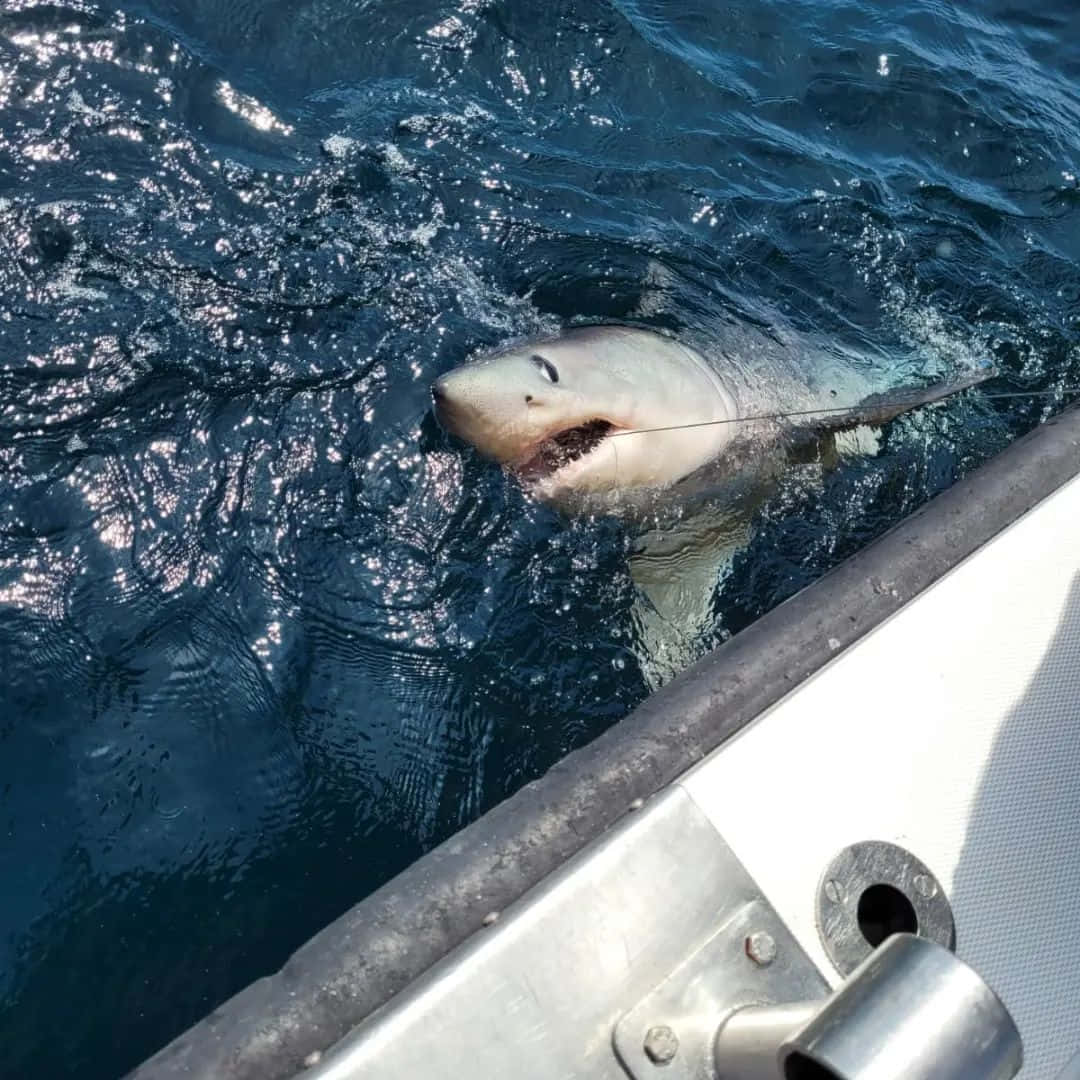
<point x="444" y="401"/>
<point x="449" y="408"/>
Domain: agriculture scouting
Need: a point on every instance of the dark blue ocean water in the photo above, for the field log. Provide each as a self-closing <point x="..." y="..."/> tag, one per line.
<point x="265" y="634"/>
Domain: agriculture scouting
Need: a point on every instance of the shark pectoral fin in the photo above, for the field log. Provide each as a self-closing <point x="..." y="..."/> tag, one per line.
<point x="878" y="409"/>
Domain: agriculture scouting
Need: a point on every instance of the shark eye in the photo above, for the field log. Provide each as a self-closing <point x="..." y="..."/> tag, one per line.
<point x="551" y="372"/>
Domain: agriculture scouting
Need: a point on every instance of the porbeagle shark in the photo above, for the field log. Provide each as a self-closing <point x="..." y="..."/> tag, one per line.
<point x="600" y="416"/>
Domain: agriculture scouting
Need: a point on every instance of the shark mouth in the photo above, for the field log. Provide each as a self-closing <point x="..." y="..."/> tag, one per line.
<point x="561" y="449"/>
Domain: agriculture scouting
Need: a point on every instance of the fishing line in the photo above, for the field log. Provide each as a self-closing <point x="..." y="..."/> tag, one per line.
<point x="997" y="396"/>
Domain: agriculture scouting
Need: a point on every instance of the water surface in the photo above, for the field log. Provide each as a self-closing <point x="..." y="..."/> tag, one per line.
<point x="265" y="634"/>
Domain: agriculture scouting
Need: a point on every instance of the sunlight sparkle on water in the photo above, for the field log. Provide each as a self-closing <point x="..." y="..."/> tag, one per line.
<point x="251" y="110"/>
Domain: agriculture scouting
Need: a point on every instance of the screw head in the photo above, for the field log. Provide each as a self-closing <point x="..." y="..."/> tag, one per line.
<point x="661" y="1044"/>
<point x="835" y="891"/>
<point x="761" y="948"/>
<point x="925" y="886"/>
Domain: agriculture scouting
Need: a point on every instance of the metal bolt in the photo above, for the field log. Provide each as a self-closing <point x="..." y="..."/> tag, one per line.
<point x="761" y="948"/>
<point x="661" y="1044"/>
<point x="834" y="890"/>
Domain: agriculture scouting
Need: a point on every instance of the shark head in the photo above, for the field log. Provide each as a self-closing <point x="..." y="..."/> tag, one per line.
<point x="599" y="409"/>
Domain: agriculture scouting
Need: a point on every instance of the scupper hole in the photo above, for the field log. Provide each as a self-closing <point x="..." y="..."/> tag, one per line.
<point x="883" y="911"/>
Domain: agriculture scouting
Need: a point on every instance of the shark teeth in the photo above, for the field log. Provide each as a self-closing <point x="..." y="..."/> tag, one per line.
<point x="564" y="447"/>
